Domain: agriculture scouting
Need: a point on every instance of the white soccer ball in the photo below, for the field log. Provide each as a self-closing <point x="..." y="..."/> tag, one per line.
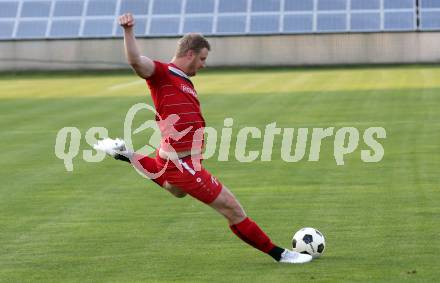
<point x="309" y="241"/>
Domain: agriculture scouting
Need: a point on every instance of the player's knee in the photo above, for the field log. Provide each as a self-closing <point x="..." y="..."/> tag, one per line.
<point x="178" y="193"/>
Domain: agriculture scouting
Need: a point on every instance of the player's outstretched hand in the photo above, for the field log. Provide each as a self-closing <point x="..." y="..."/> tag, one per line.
<point x="126" y="20"/>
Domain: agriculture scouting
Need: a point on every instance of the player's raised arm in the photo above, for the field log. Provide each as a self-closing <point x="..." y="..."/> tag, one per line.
<point x="142" y="65"/>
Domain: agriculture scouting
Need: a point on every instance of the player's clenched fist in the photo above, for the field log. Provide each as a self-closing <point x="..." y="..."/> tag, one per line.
<point x="126" y="20"/>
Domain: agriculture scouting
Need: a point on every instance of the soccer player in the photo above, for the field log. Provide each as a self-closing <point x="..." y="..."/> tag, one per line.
<point x="181" y="122"/>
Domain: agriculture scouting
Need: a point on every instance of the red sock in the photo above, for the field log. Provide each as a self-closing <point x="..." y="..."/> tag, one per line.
<point x="249" y="232"/>
<point x="149" y="164"/>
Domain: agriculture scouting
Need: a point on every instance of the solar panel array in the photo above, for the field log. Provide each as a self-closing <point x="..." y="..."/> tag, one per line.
<point x="21" y="19"/>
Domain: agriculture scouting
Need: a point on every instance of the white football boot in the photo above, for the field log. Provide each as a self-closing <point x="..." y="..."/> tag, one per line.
<point x="110" y="146"/>
<point x="294" y="257"/>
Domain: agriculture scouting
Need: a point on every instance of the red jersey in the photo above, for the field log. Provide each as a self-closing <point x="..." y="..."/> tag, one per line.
<point x="173" y="94"/>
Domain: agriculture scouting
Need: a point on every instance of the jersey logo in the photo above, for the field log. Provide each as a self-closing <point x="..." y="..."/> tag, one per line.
<point x="189" y="90"/>
<point x="214" y="180"/>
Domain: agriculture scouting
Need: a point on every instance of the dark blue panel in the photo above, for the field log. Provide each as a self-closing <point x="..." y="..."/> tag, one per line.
<point x="98" y="28"/>
<point x="6" y="29"/>
<point x="199" y="6"/>
<point x="331" y="5"/>
<point x="8" y="9"/>
<point x="198" y="24"/>
<point x="35" y="9"/>
<point x="365" y="21"/>
<point x="398" y="4"/>
<point x="65" y="28"/>
<point x="68" y="8"/>
<point x="430" y="20"/>
<point x="231" y="6"/>
<point x="101" y="7"/>
<point x="31" y="29"/>
<point x="365" y="4"/>
<point x="165" y="26"/>
<point x="331" y="22"/>
<point x="136" y="7"/>
<point x="265" y="5"/>
<point x="298" y="23"/>
<point x="430" y="3"/>
<point x="264" y="24"/>
<point x="231" y="24"/>
<point x="167" y="7"/>
<point x="298" y="5"/>
<point x="399" y="21"/>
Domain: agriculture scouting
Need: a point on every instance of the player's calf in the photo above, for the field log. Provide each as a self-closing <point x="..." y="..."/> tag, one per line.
<point x="116" y="149"/>
<point x="228" y="206"/>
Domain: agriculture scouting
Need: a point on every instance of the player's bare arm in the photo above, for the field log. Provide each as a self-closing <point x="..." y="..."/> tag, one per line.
<point x="142" y="65"/>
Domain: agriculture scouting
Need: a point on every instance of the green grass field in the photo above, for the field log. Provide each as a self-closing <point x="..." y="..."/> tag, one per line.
<point x="103" y="222"/>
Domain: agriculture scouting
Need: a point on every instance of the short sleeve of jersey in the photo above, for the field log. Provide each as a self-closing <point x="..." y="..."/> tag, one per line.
<point x="159" y="75"/>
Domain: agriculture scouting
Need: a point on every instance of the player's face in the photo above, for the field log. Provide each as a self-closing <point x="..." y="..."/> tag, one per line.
<point x="198" y="61"/>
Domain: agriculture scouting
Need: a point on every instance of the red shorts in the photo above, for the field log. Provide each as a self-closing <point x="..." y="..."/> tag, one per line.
<point x="200" y="184"/>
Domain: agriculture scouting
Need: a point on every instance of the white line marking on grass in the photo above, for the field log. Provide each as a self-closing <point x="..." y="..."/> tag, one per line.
<point x="124" y="85"/>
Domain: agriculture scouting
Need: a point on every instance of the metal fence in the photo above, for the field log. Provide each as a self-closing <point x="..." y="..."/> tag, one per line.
<point x="37" y="19"/>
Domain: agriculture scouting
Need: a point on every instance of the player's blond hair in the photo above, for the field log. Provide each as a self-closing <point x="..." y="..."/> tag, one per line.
<point x="191" y="41"/>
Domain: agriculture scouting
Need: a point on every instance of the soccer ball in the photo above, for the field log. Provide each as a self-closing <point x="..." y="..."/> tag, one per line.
<point x="309" y="241"/>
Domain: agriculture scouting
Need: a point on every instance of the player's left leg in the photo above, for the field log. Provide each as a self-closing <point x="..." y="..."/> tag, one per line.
<point x="201" y="185"/>
<point x="228" y="206"/>
<point x="248" y="231"/>
<point x="242" y="226"/>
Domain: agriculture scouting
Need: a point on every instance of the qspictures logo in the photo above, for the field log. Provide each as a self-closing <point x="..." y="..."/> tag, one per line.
<point x="294" y="141"/>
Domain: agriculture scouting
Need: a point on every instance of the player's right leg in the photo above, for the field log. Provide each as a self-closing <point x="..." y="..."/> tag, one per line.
<point x="116" y="148"/>
<point x="175" y="191"/>
<point x="148" y="164"/>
